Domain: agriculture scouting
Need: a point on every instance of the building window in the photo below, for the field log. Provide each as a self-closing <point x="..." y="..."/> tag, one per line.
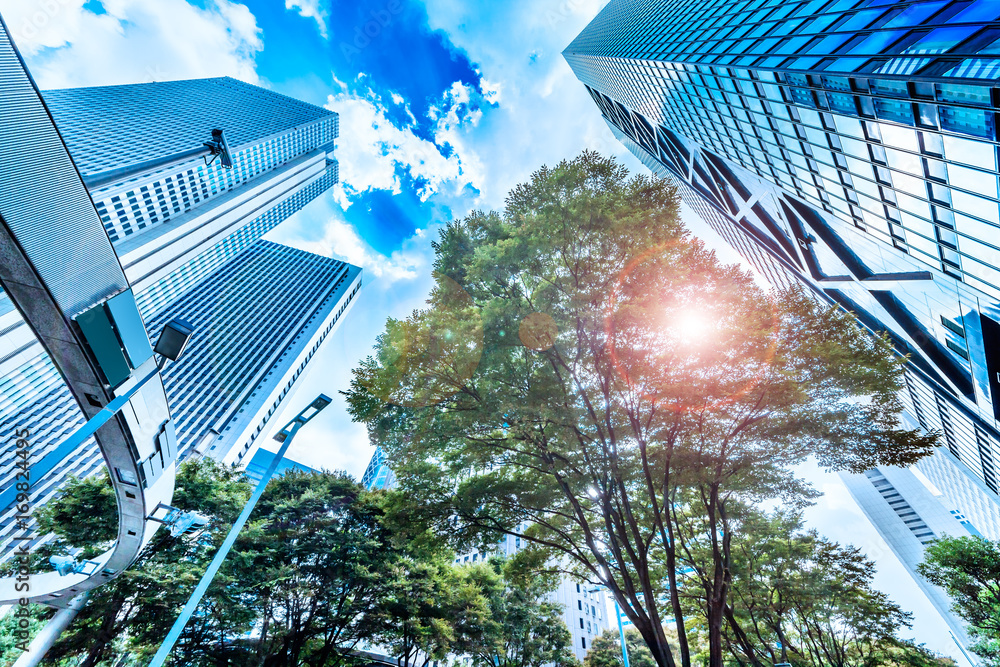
<point x="584" y="640"/>
<point x="579" y="604"/>
<point x="581" y="624"/>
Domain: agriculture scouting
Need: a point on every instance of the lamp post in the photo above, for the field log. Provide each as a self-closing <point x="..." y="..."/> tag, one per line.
<point x="285" y="437"/>
<point x="621" y="630"/>
<point x="621" y="633"/>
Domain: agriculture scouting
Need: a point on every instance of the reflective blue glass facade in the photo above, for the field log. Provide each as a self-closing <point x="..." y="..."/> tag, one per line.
<point x="262" y="459"/>
<point x="253" y="318"/>
<point x="378" y="475"/>
<point x="850" y="145"/>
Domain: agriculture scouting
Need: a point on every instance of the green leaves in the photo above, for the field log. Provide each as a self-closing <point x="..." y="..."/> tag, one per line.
<point x="607" y="650"/>
<point x="521" y="628"/>
<point x="968" y="568"/>
<point x="627" y="387"/>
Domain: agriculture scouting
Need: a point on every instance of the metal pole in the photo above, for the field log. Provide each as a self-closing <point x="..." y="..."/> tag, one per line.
<point x="220" y="555"/>
<point x="44" y="640"/>
<point x="621" y="633"/>
<point x="76" y="439"/>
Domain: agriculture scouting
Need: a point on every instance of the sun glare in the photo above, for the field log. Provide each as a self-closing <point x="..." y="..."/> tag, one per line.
<point x="691" y="328"/>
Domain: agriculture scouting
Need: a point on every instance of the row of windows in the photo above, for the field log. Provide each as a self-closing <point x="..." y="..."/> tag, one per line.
<point x="345" y="302"/>
<point x="151" y="300"/>
<point x="246" y="312"/>
<point x="870" y="172"/>
<point x="177" y="192"/>
<point x="840" y="36"/>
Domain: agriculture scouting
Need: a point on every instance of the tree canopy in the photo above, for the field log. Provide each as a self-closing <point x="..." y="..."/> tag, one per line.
<point x="586" y="368"/>
<point x="968" y="568"/>
<point x="319" y="572"/>
<point x="607" y="650"/>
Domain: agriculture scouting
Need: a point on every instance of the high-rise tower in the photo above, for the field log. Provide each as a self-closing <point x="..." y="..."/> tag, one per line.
<point x="847" y="145"/>
<point x="850" y="146"/>
<point x="908" y="517"/>
<point x="187" y="232"/>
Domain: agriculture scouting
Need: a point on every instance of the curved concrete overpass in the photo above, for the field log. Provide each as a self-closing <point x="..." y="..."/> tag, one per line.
<point x="58" y="267"/>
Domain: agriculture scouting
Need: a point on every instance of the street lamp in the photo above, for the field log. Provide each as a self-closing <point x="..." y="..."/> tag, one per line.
<point x="285" y="437"/>
<point x="173" y="339"/>
<point x="621" y="630"/>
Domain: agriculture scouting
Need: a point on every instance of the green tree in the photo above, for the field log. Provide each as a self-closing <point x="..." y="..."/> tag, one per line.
<point x="306" y="574"/>
<point x="142" y="602"/>
<point x="32" y="619"/>
<point x="523" y="629"/>
<point x="798" y="598"/>
<point x="585" y="367"/>
<point x="968" y="568"/>
<point x="429" y="607"/>
<point x="606" y="650"/>
<point x="311" y="567"/>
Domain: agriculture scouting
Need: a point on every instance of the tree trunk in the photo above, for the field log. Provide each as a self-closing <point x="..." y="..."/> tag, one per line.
<point x="675" y="603"/>
<point x="652" y="633"/>
<point x="105" y="636"/>
<point x="741" y="637"/>
<point x="714" y="634"/>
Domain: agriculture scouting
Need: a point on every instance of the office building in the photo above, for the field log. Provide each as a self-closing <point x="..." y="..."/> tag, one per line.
<point x="585" y="607"/>
<point x="909" y="514"/>
<point x="187" y="231"/>
<point x="846" y="145"/>
<point x="262" y="459"/>
<point x="850" y="146"/>
<point x="258" y="321"/>
<point x="378" y="474"/>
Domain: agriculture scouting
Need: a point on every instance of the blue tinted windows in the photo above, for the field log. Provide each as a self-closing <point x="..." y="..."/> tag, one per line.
<point x="915" y="15"/>
<point x="982" y="11"/>
<point x="942" y="40"/>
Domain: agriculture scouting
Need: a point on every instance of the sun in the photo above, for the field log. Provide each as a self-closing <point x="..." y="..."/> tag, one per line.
<point x="689" y="327"/>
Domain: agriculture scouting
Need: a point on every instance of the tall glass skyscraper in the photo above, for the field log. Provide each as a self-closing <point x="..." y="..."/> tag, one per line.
<point x="848" y="145"/>
<point x="188" y="236"/>
<point x="378" y="474"/>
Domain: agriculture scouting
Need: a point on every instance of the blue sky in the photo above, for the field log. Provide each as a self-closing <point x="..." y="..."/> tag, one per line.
<point x="445" y="105"/>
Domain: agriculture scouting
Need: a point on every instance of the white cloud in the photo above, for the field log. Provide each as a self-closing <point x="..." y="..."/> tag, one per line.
<point x="373" y="150"/>
<point x="492" y="91"/>
<point x="311" y="9"/>
<point x="544" y="114"/>
<point x="133" y="41"/>
<point x="342" y="241"/>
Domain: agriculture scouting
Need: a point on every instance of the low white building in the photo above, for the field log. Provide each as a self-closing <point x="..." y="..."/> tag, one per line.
<point x="584" y="605"/>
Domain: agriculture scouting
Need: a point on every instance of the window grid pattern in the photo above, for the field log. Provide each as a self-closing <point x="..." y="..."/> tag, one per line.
<point x="178" y="192"/>
<point x="941" y="38"/>
<point x="926" y="189"/>
<point x="894" y="159"/>
<point x="36" y="398"/>
<point x="279" y="366"/>
<point x="249" y="314"/>
<point x="378" y="475"/>
<point x="115" y="127"/>
<point x="159" y="295"/>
